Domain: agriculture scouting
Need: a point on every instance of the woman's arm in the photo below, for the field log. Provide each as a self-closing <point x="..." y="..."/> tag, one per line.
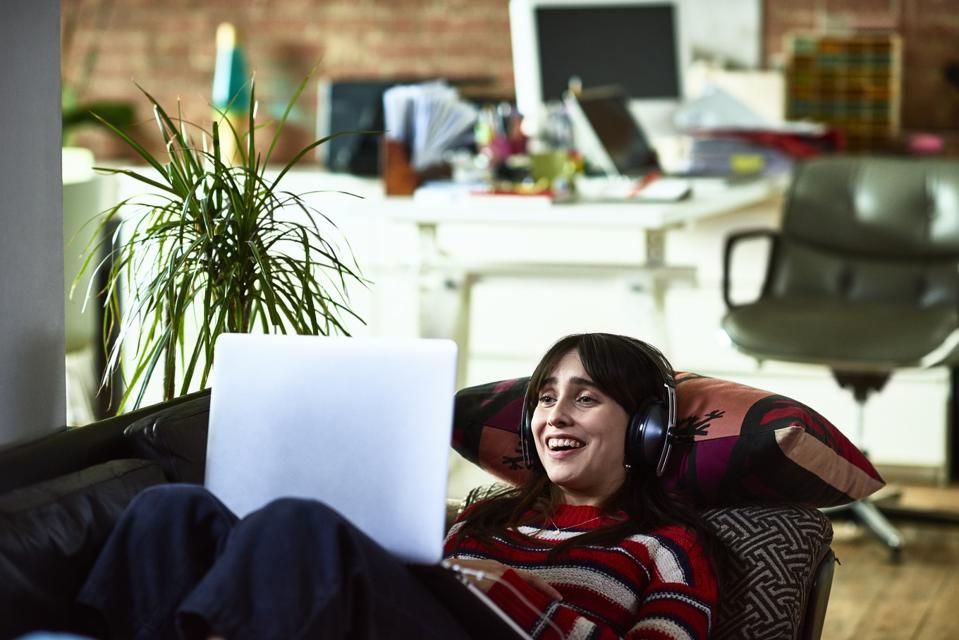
<point x="672" y="593"/>
<point x="485" y="573"/>
<point x="669" y="611"/>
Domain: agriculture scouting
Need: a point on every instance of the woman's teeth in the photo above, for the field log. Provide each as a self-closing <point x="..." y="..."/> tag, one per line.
<point x="556" y="444"/>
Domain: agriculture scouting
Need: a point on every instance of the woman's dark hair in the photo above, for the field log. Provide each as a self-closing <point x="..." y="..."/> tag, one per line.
<point x="630" y="372"/>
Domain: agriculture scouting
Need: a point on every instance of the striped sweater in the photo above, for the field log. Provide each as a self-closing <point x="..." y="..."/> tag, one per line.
<point x="658" y="585"/>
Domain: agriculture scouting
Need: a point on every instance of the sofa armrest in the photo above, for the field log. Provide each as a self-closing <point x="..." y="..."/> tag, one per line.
<point x="175" y="438"/>
<point x="75" y="448"/>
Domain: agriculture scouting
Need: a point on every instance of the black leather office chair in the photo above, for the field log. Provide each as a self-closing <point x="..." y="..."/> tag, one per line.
<point x="861" y="278"/>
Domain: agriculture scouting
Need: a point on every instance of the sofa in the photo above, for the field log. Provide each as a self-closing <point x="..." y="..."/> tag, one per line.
<point x="60" y="495"/>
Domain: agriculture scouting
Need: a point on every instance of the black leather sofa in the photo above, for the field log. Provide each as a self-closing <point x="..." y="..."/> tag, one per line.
<point x="60" y="496"/>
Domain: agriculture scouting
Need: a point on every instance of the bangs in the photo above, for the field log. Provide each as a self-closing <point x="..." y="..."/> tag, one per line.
<point x="626" y="369"/>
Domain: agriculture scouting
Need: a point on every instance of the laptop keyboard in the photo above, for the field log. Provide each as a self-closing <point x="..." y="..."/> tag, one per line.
<point x="607" y="188"/>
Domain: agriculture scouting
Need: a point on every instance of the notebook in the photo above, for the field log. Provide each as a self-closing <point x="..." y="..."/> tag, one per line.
<point x="361" y="424"/>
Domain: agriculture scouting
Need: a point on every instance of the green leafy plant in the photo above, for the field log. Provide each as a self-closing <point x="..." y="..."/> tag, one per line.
<point x="215" y="242"/>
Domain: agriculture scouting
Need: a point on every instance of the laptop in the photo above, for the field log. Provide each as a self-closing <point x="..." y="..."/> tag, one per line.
<point x="613" y="140"/>
<point x="362" y="424"/>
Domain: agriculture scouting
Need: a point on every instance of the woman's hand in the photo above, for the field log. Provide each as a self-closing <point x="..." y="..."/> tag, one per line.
<point x="485" y="573"/>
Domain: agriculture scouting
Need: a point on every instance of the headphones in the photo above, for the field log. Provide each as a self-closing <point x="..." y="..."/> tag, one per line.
<point x="650" y="434"/>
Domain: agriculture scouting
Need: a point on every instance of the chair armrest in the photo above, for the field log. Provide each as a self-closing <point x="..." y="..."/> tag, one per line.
<point x="731" y="240"/>
<point x="818" y="598"/>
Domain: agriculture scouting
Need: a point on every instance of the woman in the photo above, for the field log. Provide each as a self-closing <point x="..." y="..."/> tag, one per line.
<point x="591" y="546"/>
<point x="628" y="559"/>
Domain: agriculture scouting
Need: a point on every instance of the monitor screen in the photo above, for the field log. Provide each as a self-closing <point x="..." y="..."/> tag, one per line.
<point x="629" y="45"/>
<point x="352" y="105"/>
<point x="636" y="44"/>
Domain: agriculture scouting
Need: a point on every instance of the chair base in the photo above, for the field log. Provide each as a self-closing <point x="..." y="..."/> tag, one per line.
<point x="876" y="523"/>
<point x="876" y="515"/>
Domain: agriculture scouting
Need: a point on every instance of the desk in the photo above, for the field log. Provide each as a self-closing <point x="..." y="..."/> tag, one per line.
<point x="652" y="273"/>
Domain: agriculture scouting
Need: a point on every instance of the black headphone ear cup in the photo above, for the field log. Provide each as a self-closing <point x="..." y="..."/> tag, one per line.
<point x="646" y="434"/>
<point x="527" y="443"/>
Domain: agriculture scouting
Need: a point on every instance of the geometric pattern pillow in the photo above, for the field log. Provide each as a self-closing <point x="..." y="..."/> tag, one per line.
<point x="774" y="553"/>
<point x="747" y="446"/>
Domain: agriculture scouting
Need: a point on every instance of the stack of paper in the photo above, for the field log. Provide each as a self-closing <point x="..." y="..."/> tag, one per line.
<point x="429" y="119"/>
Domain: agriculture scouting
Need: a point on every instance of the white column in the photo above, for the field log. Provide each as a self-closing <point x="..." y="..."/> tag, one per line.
<point x="31" y="222"/>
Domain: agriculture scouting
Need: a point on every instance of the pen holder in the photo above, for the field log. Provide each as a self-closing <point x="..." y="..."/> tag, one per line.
<point x="399" y="176"/>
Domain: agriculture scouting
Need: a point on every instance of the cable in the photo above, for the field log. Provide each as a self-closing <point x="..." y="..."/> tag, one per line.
<point x="482" y="575"/>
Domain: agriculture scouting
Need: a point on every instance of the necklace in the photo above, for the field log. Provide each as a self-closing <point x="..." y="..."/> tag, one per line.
<point x="572" y="526"/>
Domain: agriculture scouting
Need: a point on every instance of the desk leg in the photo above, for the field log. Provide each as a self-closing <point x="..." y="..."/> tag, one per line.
<point x="657" y="292"/>
<point x="646" y="295"/>
<point x="656" y="287"/>
<point x="438" y="291"/>
<point x="445" y="305"/>
<point x="461" y="330"/>
<point x="430" y="285"/>
<point x="655" y="247"/>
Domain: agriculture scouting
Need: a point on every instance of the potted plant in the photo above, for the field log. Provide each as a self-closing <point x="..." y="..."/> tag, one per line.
<point x="218" y="240"/>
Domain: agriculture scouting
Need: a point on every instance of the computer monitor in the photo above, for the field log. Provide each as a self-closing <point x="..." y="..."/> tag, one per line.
<point x="636" y="44"/>
<point x="351" y="105"/>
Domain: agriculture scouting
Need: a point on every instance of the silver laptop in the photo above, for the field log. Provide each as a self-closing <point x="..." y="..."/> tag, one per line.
<point x="363" y="425"/>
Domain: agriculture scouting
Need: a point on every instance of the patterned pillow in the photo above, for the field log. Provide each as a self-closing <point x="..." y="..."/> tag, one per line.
<point x="774" y="554"/>
<point x="748" y="446"/>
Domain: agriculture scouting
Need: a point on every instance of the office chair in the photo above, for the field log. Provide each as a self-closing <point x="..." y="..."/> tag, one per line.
<point x="862" y="278"/>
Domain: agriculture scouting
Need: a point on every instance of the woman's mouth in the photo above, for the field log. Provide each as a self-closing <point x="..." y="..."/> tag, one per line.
<point x="563" y="446"/>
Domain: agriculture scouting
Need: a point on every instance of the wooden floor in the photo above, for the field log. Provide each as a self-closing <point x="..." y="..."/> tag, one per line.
<point x="917" y="598"/>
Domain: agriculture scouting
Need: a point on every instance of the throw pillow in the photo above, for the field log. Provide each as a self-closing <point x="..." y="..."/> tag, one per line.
<point x="774" y="553"/>
<point x="748" y="445"/>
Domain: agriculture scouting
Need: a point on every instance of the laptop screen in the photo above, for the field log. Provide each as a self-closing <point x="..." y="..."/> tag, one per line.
<point x="607" y="111"/>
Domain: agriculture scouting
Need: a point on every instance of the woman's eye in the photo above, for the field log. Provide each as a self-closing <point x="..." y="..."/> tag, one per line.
<point x="545" y="398"/>
<point x="586" y="399"/>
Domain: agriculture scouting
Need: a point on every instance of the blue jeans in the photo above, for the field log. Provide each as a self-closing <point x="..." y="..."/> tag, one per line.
<point x="180" y="563"/>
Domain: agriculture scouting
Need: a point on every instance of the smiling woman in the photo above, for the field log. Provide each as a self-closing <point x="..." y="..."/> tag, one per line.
<point x="594" y="521"/>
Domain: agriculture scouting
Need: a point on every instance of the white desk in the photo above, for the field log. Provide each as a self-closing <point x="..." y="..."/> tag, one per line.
<point x="442" y="273"/>
<point x="651" y="273"/>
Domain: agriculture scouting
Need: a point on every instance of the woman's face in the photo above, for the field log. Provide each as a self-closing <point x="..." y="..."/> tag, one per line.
<point x="580" y="434"/>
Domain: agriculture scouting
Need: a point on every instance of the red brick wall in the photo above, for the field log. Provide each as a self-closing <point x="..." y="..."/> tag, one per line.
<point x="169" y="48"/>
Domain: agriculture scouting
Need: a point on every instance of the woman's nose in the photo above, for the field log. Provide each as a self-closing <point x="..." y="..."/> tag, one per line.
<point x="558" y="414"/>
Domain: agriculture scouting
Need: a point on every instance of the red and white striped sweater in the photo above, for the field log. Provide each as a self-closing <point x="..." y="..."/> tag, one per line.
<point x="657" y="586"/>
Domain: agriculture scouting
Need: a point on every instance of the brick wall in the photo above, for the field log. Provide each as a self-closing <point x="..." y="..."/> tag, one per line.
<point x="168" y="47"/>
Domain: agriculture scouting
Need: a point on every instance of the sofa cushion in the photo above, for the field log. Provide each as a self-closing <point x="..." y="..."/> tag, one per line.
<point x="748" y="446"/>
<point x="774" y="555"/>
<point x="50" y="535"/>
<point x="175" y="438"/>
